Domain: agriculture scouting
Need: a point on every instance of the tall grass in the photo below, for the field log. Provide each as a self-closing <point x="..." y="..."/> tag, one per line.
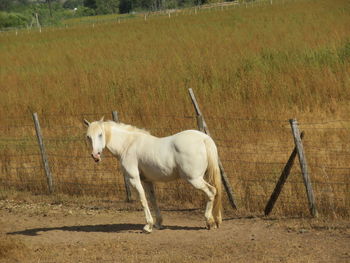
<point x="289" y="59"/>
<point x="284" y="58"/>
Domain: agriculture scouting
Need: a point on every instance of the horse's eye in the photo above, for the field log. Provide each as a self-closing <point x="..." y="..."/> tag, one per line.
<point x="100" y="135"/>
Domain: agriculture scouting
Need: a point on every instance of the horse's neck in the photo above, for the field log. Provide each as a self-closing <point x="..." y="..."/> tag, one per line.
<point x="118" y="140"/>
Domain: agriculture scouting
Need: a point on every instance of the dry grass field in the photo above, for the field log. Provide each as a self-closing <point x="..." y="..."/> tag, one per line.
<point x="264" y="61"/>
<point x="252" y="68"/>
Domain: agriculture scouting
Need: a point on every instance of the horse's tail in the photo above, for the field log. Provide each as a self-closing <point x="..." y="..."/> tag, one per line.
<point x="214" y="178"/>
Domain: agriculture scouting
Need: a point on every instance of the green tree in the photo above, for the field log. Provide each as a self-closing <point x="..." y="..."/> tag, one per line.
<point x="70" y="4"/>
<point x="103" y="6"/>
<point x="90" y="4"/>
<point x="5" y="5"/>
<point x="13" y="20"/>
<point x="125" y="6"/>
<point x="107" y="6"/>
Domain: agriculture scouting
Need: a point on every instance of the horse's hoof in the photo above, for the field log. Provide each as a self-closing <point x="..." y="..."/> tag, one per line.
<point x="211" y="224"/>
<point x="218" y="221"/>
<point x="147" y="229"/>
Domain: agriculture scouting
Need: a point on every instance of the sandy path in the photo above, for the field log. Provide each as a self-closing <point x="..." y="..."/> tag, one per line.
<point x="70" y="234"/>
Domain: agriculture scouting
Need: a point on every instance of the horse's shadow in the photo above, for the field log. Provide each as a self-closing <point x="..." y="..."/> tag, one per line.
<point x="109" y="228"/>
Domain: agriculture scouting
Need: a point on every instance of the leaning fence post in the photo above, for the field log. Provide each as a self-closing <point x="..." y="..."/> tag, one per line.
<point x="283" y="178"/>
<point x="43" y="152"/>
<point x="127" y="186"/>
<point x="303" y="166"/>
<point x="202" y="126"/>
<point x="200" y="123"/>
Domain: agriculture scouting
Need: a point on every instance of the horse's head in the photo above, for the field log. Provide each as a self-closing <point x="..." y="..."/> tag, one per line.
<point x="96" y="136"/>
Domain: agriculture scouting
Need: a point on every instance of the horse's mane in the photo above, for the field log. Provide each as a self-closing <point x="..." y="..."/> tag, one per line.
<point x="130" y="128"/>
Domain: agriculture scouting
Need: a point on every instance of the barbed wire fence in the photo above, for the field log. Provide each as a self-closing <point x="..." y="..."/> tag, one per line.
<point x="253" y="152"/>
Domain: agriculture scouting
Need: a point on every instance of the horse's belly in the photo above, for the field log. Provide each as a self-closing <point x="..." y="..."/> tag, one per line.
<point x="159" y="174"/>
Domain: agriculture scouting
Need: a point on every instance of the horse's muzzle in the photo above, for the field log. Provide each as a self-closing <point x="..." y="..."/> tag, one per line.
<point x="96" y="158"/>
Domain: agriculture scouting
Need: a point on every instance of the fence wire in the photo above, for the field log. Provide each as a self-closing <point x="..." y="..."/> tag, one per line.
<point x="253" y="152"/>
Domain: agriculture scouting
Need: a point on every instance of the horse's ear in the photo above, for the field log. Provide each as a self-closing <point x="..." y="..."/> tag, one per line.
<point x="86" y="123"/>
<point x="103" y="117"/>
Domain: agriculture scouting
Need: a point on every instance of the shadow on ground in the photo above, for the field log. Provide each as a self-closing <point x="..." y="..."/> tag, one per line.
<point x="109" y="228"/>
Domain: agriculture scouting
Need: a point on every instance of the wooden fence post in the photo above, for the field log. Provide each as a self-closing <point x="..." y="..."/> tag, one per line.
<point x="127" y="186"/>
<point x="303" y="166"/>
<point x="283" y="178"/>
<point x="200" y="123"/>
<point x="43" y="152"/>
<point x="115" y="116"/>
<point x="202" y="126"/>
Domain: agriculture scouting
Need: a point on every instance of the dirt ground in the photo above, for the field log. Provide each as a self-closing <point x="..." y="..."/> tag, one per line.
<point x="41" y="232"/>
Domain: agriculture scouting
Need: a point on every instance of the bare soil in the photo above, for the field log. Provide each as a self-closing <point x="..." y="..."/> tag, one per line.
<point x="41" y="232"/>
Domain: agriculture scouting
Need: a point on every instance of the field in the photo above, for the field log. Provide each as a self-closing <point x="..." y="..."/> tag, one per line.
<point x="265" y="61"/>
<point x="252" y="67"/>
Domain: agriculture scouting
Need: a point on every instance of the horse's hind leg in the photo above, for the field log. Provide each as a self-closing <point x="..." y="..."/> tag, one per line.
<point x="210" y="191"/>
<point x="149" y="187"/>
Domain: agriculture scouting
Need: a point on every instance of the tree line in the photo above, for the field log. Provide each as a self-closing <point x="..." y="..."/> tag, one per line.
<point x="16" y="13"/>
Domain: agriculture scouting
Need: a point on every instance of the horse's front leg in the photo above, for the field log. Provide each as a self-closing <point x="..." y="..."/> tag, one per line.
<point x="134" y="179"/>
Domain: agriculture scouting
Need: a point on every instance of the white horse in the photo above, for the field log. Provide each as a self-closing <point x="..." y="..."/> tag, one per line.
<point x="189" y="154"/>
